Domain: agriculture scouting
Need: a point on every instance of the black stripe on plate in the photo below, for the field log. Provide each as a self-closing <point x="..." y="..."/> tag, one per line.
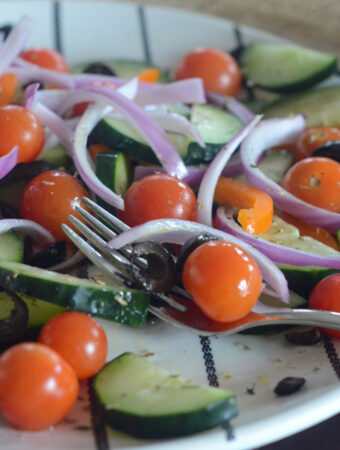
<point x="332" y="354"/>
<point x="236" y="53"/>
<point x="98" y="425"/>
<point x="57" y="28"/>
<point x="144" y="34"/>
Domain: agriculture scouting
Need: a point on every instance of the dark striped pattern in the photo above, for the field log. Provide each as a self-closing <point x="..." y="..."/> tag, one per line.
<point x="332" y="354"/>
<point x="57" y="30"/>
<point x="209" y="361"/>
<point x="144" y="35"/>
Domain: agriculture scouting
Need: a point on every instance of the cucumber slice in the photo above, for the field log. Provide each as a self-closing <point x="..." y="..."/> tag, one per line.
<point x="142" y="399"/>
<point x="11" y="247"/>
<point x="282" y="68"/>
<point x="321" y="107"/>
<point x="114" y="170"/>
<point x="114" y="303"/>
<point x="275" y="164"/>
<point x="55" y="155"/>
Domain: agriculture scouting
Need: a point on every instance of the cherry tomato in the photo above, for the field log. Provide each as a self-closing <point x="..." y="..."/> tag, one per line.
<point x="49" y="199"/>
<point x="37" y="387"/>
<point x="8" y="85"/>
<point x="312" y="138"/>
<point x="158" y="196"/>
<point x="218" y="70"/>
<point x="223" y="280"/>
<point x="326" y="296"/>
<point x="79" y="339"/>
<point x="316" y="181"/>
<point x="46" y="58"/>
<point x="20" y="126"/>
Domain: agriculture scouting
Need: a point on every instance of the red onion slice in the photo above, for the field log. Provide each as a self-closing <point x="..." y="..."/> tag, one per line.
<point x="207" y="187"/>
<point x="51" y="98"/>
<point x="232" y="105"/>
<point x="86" y="124"/>
<point x="7" y="162"/>
<point x="30" y="93"/>
<point x="284" y="255"/>
<point x="29" y="72"/>
<point x="28" y="227"/>
<point x="178" y="231"/>
<point x="271" y="133"/>
<point x="15" y="42"/>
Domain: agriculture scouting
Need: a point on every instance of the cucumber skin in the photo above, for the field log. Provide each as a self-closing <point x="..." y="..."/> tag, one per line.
<point x="81" y="298"/>
<point x="151" y="427"/>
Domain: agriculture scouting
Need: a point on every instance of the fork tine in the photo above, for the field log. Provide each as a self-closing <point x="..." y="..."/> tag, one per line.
<point x="96" y="224"/>
<point x="91" y="253"/>
<point x="108" y="218"/>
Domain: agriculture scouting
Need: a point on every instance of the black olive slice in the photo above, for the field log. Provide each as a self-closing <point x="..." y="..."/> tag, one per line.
<point x="5" y="30"/>
<point x="189" y="246"/>
<point x="99" y="69"/>
<point x="13" y="326"/>
<point x="8" y="211"/>
<point x="330" y="150"/>
<point x="50" y="256"/>
<point x="27" y="171"/>
<point x="289" y="385"/>
<point x="159" y="272"/>
<point x="305" y="336"/>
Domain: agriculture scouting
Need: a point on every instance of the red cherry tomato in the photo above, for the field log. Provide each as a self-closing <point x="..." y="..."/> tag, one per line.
<point x="8" y="85"/>
<point x="37" y="387"/>
<point x="312" y="138"/>
<point x="49" y="199"/>
<point x="326" y="296"/>
<point x="218" y="70"/>
<point x="316" y="181"/>
<point x="20" y="126"/>
<point x="79" y="339"/>
<point x="158" y="196"/>
<point x="223" y="280"/>
<point x="46" y="58"/>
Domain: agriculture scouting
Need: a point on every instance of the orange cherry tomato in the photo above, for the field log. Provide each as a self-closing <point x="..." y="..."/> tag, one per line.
<point x="49" y="199"/>
<point x="20" y="126"/>
<point x="79" y="339"/>
<point x="37" y="387"/>
<point x="158" y="196"/>
<point x="8" y="85"/>
<point x="219" y="70"/>
<point x="46" y="58"/>
<point x="223" y="280"/>
<point x="312" y="138"/>
<point x="316" y="181"/>
<point x="326" y="296"/>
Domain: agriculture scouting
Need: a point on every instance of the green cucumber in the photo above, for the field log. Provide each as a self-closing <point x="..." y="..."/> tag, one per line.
<point x="145" y="400"/>
<point x="11" y="247"/>
<point x="283" y="68"/>
<point x="110" y="302"/>
<point x="215" y="126"/>
<point x="114" y="170"/>
<point x="320" y="106"/>
<point x="55" y="155"/>
<point x="120" y="68"/>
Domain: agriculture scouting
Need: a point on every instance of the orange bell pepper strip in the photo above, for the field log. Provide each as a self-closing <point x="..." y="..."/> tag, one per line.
<point x="255" y="206"/>
<point x="306" y="229"/>
<point x="94" y="149"/>
<point x="8" y="85"/>
<point x="149" y="75"/>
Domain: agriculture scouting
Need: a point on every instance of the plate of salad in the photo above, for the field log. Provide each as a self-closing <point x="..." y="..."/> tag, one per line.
<point x="217" y="147"/>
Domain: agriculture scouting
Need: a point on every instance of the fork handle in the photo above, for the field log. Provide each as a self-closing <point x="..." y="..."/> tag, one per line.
<point x="317" y="318"/>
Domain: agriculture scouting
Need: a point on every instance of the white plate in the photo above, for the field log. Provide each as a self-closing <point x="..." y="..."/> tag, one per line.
<point x="243" y="364"/>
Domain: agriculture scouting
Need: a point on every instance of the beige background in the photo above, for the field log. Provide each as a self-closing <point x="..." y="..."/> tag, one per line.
<point x="314" y="23"/>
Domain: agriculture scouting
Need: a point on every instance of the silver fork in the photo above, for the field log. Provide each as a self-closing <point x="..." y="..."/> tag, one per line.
<point x="181" y="312"/>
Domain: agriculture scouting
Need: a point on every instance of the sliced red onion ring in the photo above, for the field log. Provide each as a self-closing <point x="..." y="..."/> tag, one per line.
<point x="86" y="124"/>
<point x="129" y="89"/>
<point x="32" y="229"/>
<point x="232" y="105"/>
<point x="195" y="173"/>
<point x="30" y="93"/>
<point x="146" y="127"/>
<point x="207" y="187"/>
<point x="51" y="98"/>
<point x="55" y="123"/>
<point x="76" y="258"/>
<point x="271" y="133"/>
<point x="178" y="231"/>
<point x="7" y="162"/>
<point x="15" y="42"/>
<point x="277" y="253"/>
<point x="29" y="72"/>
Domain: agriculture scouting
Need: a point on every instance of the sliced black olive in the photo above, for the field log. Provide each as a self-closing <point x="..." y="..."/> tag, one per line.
<point x="304" y="336"/>
<point x="289" y="385"/>
<point x="189" y="246"/>
<point x="13" y="326"/>
<point x="49" y="256"/>
<point x="26" y="171"/>
<point x="8" y="211"/>
<point x="99" y="69"/>
<point x="159" y="272"/>
<point x="5" y="30"/>
<point x="330" y="150"/>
